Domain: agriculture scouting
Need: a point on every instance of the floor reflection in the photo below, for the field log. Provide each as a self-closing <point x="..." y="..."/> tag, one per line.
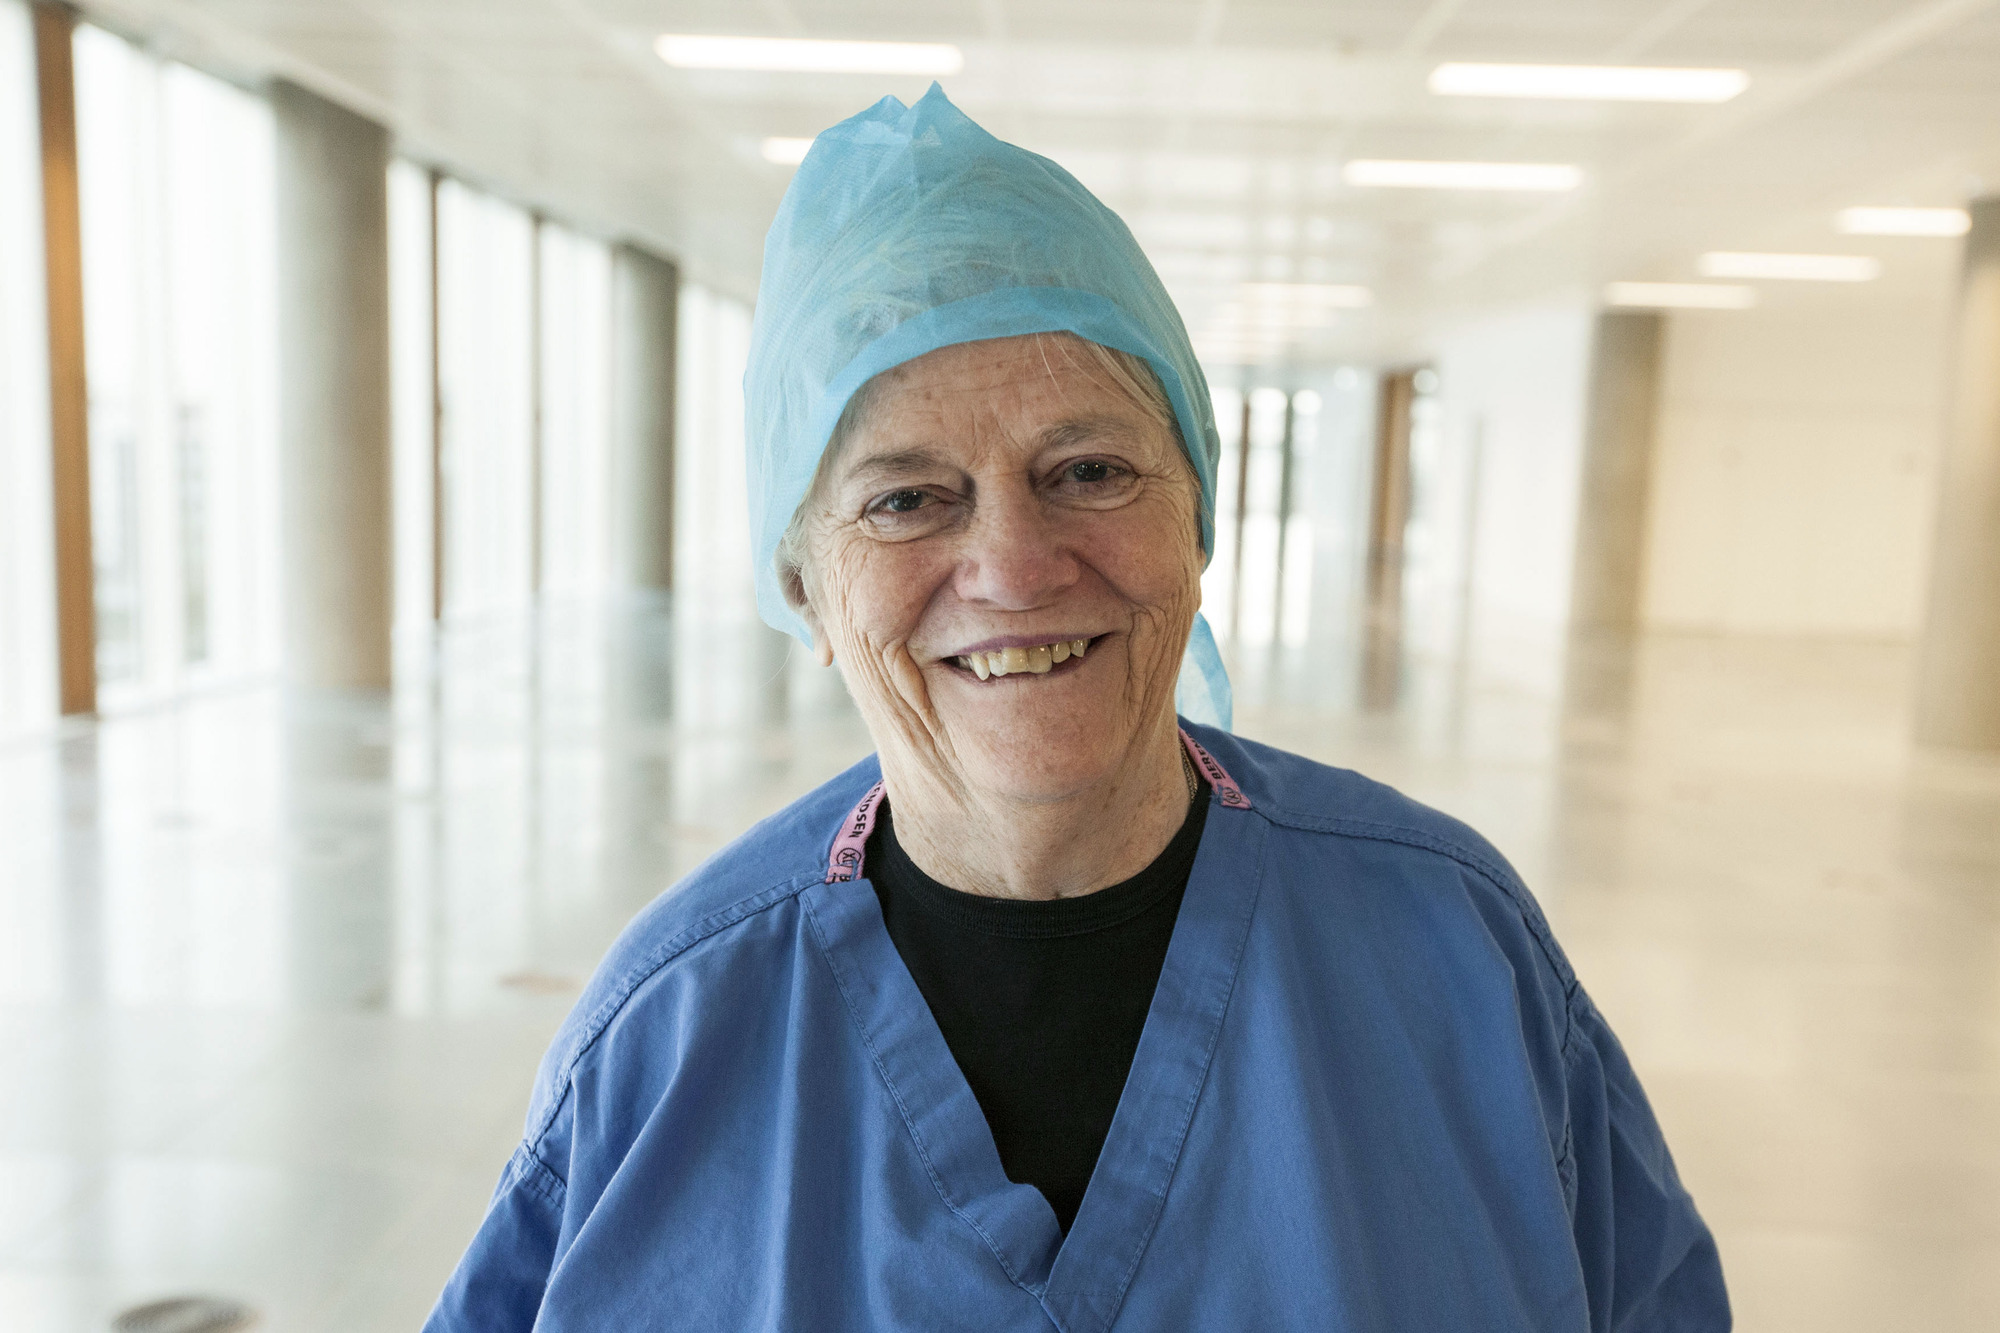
<point x="1381" y="661"/>
<point x="275" y="972"/>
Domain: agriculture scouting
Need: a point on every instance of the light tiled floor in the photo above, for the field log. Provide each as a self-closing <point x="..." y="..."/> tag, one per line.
<point x="274" y="975"/>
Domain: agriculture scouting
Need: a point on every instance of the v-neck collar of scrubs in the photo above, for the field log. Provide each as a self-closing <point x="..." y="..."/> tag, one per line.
<point x="1081" y="1280"/>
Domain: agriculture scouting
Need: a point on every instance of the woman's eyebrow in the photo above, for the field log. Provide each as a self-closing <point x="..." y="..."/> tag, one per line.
<point x="893" y="466"/>
<point x="1084" y="430"/>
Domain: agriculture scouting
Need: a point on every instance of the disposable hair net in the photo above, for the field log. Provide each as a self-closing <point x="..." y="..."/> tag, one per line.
<point x="911" y="228"/>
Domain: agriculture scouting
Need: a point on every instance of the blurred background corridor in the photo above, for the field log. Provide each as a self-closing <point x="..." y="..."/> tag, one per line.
<point x="1610" y="408"/>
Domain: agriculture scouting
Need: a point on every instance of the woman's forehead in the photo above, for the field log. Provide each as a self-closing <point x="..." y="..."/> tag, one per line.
<point x="987" y="372"/>
<point x="1021" y="387"/>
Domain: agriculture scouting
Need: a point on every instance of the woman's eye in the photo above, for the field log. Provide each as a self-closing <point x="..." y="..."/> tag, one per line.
<point x="1093" y="483"/>
<point x="909" y="512"/>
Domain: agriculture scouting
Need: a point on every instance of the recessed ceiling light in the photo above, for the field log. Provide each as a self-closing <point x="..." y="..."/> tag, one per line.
<point x="1905" y="221"/>
<point x="786" y="152"/>
<point x="1799" y="268"/>
<point x="1593" y="83"/>
<point x="1680" y="295"/>
<point x="798" y="55"/>
<point x="1463" y="175"/>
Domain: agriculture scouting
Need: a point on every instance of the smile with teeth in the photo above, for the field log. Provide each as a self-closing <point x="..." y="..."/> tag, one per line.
<point x="1036" y="660"/>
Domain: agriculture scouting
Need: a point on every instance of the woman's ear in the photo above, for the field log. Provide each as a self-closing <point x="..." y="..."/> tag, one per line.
<point x="794" y="584"/>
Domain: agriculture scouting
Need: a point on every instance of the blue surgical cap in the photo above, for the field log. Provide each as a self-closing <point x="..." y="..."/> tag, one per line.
<point x="911" y="228"/>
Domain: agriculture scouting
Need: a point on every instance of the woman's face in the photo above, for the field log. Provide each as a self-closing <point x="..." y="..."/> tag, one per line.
<point x="999" y="504"/>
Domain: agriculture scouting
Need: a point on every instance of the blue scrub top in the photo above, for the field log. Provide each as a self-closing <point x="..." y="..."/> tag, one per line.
<point x="1370" y="1095"/>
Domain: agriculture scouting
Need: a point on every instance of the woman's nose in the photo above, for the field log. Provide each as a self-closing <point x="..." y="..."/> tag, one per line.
<point x="1013" y="557"/>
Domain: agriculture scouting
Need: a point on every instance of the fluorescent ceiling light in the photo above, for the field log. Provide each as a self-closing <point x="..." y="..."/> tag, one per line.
<point x="1905" y="221"/>
<point x="1680" y="295"/>
<point x="1593" y="83"/>
<point x="797" y="55"/>
<point x="1463" y="175"/>
<point x="1801" y="268"/>
<point x="786" y="152"/>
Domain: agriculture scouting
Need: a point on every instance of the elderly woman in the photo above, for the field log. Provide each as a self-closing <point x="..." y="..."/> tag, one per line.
<point x="1061" y="1012"/>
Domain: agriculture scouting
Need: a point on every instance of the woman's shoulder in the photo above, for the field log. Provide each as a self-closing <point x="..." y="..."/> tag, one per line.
<point x="1295" y="792"/>
<point x="1342" y="808"/>
<point x="711" y="910"/>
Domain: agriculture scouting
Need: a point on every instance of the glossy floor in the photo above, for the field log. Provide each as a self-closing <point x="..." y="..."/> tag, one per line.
<point x="274" y="975"/>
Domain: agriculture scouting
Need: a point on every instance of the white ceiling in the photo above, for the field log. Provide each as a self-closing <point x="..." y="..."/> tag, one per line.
<point x="1216" y="128"/>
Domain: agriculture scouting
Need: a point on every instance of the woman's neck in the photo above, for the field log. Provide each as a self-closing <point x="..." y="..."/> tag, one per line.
<point x="980" y="841"/>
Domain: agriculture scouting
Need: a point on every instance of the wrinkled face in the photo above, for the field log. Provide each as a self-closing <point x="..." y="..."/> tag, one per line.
<point x="1004" y="558"/>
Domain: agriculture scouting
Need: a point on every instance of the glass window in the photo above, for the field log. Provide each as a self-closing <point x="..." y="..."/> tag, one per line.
<point x="1253" y="619"/>
<point x="484" y="363"/>
<point x="712" y="562"/>
<point x="575" y="306"/>
<point x="27" y="565"/>
<point x="738" y="670"/>
<point x="411" y="423"/>
<point x="1218" y="582"/>
<point x="179" y="240"/>
<point x="498" y="271"/>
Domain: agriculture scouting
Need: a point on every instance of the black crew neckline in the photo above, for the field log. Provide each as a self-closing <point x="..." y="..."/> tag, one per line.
<point x="1043" y="918"/>
<point x="1041" y="1003"/>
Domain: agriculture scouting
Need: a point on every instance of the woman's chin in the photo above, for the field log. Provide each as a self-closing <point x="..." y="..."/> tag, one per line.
<point x="1036" y="739"/>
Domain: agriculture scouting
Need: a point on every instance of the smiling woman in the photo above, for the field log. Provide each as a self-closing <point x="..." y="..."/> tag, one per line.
<point x="1066" y="1008"/>
<point x="998" y="498"/>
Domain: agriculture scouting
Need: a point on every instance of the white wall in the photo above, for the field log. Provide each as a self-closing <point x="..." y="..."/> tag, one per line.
<point x="1794" y="469"/>
<point x="1512" y="385"/>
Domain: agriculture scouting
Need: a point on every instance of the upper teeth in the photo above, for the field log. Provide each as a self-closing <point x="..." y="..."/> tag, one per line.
<point x="1040" y="658"/>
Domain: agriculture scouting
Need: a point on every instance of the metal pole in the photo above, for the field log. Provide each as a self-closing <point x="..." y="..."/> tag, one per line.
<point x="1242" y="513"/>
<point x="536" y="429"/>
<point x="437" y="416"/>
<point x="1284" y="518"/>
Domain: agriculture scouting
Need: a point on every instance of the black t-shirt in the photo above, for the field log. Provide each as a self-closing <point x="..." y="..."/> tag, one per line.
<point x="1041" y="1003"/>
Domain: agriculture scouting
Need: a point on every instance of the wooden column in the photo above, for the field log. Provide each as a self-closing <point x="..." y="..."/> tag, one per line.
<point x="1388" y="517"/>
<point x="1389" y="500"/>
<point x="69" y="396"/>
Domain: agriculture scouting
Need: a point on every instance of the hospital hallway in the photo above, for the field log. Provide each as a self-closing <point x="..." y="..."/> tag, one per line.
<point x="427" y="429"/>
<point x="278" y="975"/>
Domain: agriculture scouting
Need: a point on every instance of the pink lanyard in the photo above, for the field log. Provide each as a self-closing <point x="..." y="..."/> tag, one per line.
<point x="852" y="843"/>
